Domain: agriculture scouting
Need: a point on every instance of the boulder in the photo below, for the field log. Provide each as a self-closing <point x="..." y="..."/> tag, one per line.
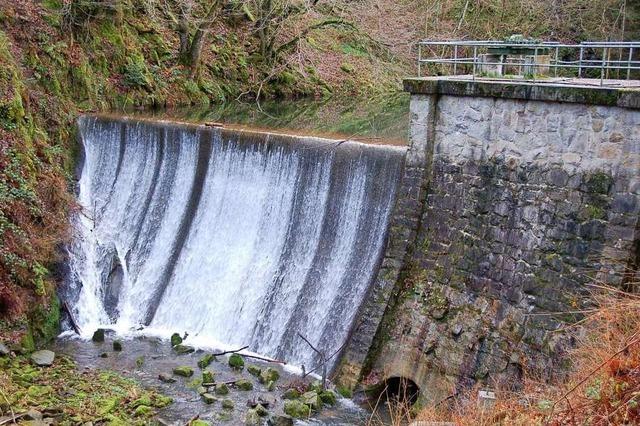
<point x="43" y="358"/>
<point x="183" y="349"/>
<point x="244" y="385"/>
<point x="254" y="371"/>
<point x="32" y="415"/>
<point x="175" y="339"/>
<point x="117" y="345"/>
<point x="236" y="362"/>
<point x="312" y="399"/>
<point x="206" y="360"/>
<point x="98" y="335"/>
<point x="228" y="404"/>
<point x="222" y="389"/>
<point x="208" y="376"/>
<point x="104" y="355"/>
<point x="269" y="375"/>
<point x="208" y="398"/>
<point x="183" y="371"/>
<point x="166" y="378"/>
<point x="297" y="409"/>
<point x="4" y="350"/>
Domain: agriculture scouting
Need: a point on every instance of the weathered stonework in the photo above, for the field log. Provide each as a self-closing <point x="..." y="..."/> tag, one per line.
<point x="526" y="201"/>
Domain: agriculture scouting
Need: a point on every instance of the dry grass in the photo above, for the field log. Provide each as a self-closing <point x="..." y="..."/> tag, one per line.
<point x="603" y="387"/>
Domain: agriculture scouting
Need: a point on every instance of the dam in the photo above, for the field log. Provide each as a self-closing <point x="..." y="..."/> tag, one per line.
<point x="451" y="262"/>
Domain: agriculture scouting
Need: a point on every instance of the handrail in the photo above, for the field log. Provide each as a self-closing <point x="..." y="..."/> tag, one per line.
<point x="607" y="61"/>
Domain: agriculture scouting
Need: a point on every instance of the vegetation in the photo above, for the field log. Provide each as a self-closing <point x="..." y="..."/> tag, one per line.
<point x="61" y="393"/>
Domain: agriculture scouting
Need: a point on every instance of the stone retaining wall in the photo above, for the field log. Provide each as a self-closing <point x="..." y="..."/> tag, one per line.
<point x="512" y="204"/>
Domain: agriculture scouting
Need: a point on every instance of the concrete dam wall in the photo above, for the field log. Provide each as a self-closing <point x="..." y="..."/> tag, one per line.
<point x="515" y="198"/>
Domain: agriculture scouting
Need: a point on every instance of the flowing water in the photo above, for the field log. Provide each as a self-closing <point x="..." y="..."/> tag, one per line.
<point x="237" y="238"/>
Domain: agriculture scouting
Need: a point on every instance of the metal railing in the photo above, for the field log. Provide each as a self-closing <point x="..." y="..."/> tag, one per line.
<point x="608" y="62"/>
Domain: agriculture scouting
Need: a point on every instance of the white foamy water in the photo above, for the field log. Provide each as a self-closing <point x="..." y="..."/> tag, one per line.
<point x="236" y="238"/>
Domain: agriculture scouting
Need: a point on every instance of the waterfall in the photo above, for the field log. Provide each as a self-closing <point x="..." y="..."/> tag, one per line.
<point x="238" y="238"/>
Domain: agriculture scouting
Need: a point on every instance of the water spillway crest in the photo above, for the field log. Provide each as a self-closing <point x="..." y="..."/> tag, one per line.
<point x="234" y="237"/>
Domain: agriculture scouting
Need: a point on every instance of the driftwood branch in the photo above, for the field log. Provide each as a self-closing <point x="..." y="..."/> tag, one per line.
<point x="230" y="382"/>
<point x="231" y="352"/>
<point x="323" y="361"/>
<point x="275" y="361"/>
<point x="74" y="323"/>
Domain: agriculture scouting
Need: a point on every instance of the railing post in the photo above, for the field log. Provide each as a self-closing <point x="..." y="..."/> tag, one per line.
<point x="419" y="59"/>
<point x="455" y="59"/>
<point x="555" y="64"/>
<point x="580" y="62"/>
<point x="475" y="60"/>
<point x="629" y="63"/>
<point x="604" y="58"/>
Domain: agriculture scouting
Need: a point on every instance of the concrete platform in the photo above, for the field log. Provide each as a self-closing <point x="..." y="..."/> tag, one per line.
<point x="621" y="93"/>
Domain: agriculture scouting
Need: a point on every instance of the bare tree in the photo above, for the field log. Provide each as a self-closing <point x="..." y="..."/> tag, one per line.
<point x="272" y="16"/>
<point x="192" y="20"/>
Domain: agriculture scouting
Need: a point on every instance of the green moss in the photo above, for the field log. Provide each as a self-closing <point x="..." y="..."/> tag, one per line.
<point x="599" y="183"/>
<point x="236" y="362"/>
<point x="84" y="397"/>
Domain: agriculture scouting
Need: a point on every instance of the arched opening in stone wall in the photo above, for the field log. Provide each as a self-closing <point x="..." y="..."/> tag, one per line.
<point x="400" y="390"/>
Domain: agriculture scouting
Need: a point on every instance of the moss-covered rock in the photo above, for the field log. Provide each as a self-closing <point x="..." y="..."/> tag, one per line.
<point x="297" y="409"/>
<point x="206" y="361"/>
<point x="175" y="339"/>
<point x="228" y="404"/>
<point x="254" y="371"/>
<point x="291" y="394"/>
<point x="117" y="345"/>
<point x="244" y="385"/>
<point x="269" y="375"/>
<point x="261" y="410"/>
<point x="312" y="399"/>
<point x="184" y="371"/>
<point x="183" y="349"/>
<point x="236" y="362"/>
<point x="328" y="397"/>
<point x="208" y="398"/>
<point x="222" y="389"/>
<point x="252" y="418"/>
<point x="98" y="335"/>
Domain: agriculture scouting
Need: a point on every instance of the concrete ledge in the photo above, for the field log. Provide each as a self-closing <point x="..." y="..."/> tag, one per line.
<point x="549" y="92"/>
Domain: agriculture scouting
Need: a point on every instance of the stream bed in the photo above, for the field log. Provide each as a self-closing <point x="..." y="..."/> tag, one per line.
<point x="145" y="358"/>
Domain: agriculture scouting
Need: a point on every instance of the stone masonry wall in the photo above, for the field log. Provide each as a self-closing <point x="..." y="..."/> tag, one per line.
<point x="527" y="202"/>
